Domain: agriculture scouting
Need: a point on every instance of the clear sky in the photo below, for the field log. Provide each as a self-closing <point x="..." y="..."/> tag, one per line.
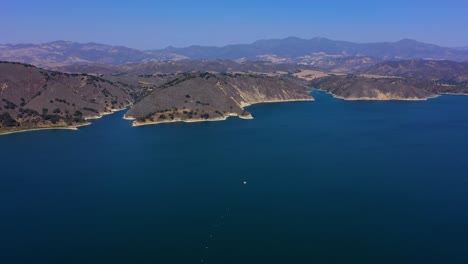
<point x="154" y="24"/>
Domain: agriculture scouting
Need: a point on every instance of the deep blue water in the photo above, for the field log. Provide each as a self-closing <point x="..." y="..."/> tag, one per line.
<point x="327" y="182"/>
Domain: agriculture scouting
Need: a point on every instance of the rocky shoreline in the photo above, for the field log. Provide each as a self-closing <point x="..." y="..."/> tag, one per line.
<point x="15" y="130"/>
<point x="248" y="116"/>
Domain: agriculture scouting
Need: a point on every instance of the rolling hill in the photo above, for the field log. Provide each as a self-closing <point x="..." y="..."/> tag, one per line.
<point x="444" y="71"/>
<point x="33" y="98"/>
<point x="205" y="96"/>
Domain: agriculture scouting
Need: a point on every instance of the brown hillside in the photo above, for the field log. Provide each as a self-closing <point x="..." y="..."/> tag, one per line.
<point x="206" y="96"/>
<point x="32" y="97"/>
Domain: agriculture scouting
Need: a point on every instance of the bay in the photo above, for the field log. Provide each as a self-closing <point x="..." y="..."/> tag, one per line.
<point x="329" y="181"/>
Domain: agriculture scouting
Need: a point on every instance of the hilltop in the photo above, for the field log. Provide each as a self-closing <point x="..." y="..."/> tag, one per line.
<point x="432" y="70"/>
<point x="33" y="98"/>
<point x="381" y="87"/>
<point x="356" y="87"/>
<point x="206" y="96"/>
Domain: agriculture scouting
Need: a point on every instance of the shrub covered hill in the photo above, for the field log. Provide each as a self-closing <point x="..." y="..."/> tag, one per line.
<point x="206" y="96"/>
<point x="35" y="98"/>
<point x="356" y="87"/>
<point x="432" y="70"/>
<point x="398" y="80"/>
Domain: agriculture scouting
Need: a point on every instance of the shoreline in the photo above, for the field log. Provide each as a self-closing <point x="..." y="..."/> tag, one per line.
<point x="248" y="117"/>
<point x="101" y="115"/>
<point x="73" y="127"/>
<point x="354" y="99"/>
<point x="187" y="120"/>
<point x="462" y="94"/>
<point x="281" y="101"/>
<point x="383" y="100"/>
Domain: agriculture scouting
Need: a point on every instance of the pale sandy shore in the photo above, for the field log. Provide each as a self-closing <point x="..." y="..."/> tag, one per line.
<point x="247" y="117"/>
<point x="389" y="99"/>
<point x="74" y="127"/>
<point x="282" y="101"/>
<point x="100" y="115"/>
<point x="129" y="118"/>
<point x="462" y="94"/>
<point x="136" y="124"/>
<point x="45" y="128"/>
<point x="378" y="99"/>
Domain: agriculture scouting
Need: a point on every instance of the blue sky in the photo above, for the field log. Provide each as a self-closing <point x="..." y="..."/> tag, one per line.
<point x="157" y="24"/>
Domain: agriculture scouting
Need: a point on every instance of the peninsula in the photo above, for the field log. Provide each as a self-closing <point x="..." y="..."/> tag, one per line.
<point x="34" y="98"/>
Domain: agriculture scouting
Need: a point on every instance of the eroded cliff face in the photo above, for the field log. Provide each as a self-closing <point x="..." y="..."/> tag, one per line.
<point x="36" y="98"/>
<point x="204" y="96"/>
<point x="353" y="87"/>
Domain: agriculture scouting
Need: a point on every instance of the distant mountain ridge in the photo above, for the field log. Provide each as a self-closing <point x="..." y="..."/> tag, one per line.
<point x="60" y="53"/>
<point x="288" y="50"/>
<point x="295" y="48"/>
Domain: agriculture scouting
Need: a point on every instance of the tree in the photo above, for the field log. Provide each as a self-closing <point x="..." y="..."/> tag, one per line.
<point x="7" y="121"/>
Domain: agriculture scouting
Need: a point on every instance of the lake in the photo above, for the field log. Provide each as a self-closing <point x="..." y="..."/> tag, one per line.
<point x="329" y="181"/>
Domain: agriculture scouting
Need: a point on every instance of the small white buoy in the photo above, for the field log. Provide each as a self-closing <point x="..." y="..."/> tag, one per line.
<point x="245" y="182"/>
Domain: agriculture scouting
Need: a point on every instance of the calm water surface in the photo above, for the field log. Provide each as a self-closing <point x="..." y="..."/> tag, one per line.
<point x="326" y="182"/>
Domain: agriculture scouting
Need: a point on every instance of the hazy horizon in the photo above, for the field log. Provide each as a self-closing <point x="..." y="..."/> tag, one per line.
<point x="244" y="43"/>
<point x="179" y="23"/>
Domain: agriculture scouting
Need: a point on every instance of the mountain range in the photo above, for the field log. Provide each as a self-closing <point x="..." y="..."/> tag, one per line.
<point x="288" y="50"/>
<point x="297" y="48"/>
<point x="59" y="53"/>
